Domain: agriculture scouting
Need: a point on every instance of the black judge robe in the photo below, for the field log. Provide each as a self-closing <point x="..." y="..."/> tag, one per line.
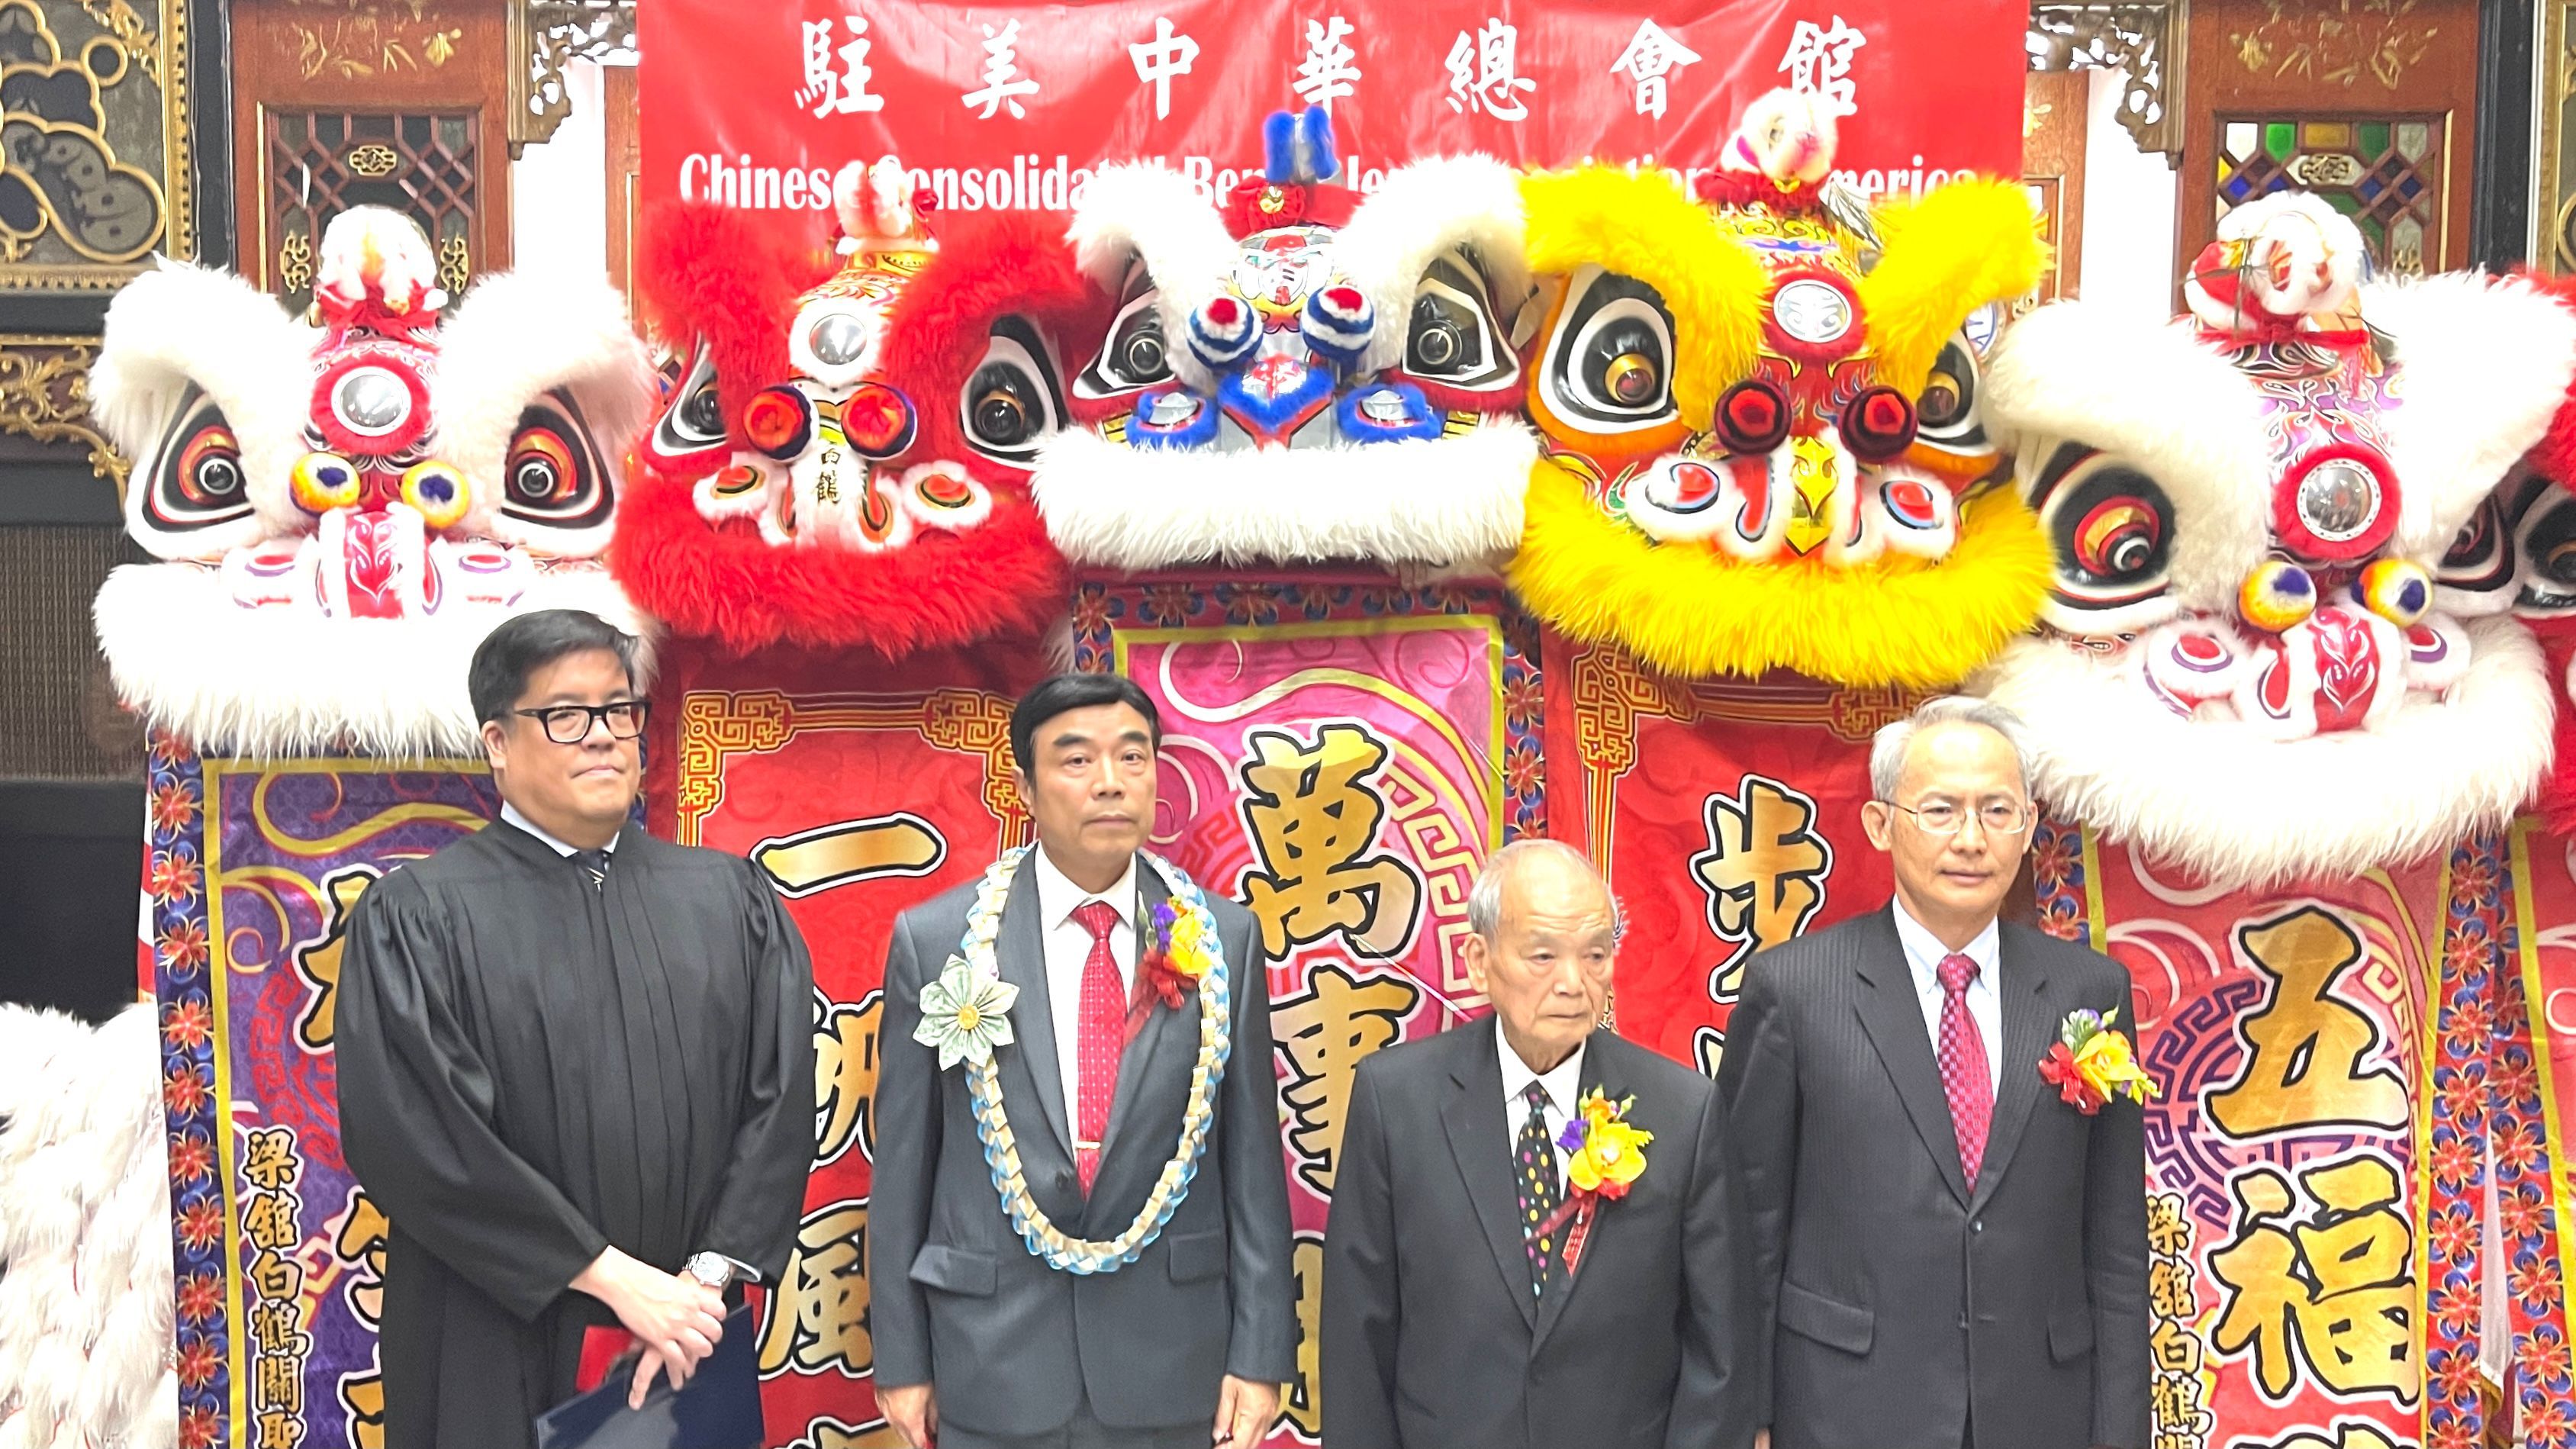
<point x="531" y="1070"/>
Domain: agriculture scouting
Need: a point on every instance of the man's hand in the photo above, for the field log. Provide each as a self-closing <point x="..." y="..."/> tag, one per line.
<point x="1243" y="1412"/>
<point x="914" y="1412"/>
<point x="677" y="1318"/>
<point x="1761" y="1439"/>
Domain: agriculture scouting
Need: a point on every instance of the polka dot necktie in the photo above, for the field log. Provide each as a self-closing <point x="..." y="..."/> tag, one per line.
<point x="594" y="866"/>
<point x="1534" y="1173"/>
<point x="1964" y="1079"/>
<point x="1104" y="1039"/>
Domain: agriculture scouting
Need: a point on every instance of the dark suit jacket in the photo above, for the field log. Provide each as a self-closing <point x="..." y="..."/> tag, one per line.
<point x="1430" y="1334"/>
<point x="1895" y="1302"/>
<point x="959" y="1302"/>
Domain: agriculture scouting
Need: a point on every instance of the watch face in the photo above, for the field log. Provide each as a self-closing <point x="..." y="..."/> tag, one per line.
<point x="711" y="1269"/>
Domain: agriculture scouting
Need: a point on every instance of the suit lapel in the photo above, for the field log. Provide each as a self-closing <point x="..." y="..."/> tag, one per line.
<point x="2022" y="986"/>
<point x="1478" y="1140"/>
<point x="1148" y="1088"/>
<point x="1552" y="1307"/>
<point x="1022" y="952"/>
<point x="1893" y="1013"/>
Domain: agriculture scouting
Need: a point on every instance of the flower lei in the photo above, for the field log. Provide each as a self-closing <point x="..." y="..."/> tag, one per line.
<point x="967" y="1009"/>
<point x="2091" y="1063"/>
<point x="1604" y="1157"/>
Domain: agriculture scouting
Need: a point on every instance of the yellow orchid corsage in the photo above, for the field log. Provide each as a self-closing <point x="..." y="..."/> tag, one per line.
<point x="1603" y="1153"/>
<point x="1184" y="947"/>
<point x="2091" y="1063"/>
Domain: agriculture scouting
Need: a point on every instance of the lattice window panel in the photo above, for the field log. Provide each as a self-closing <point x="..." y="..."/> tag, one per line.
<point x="2385" y="172"/>
<point x="321" y="163"/>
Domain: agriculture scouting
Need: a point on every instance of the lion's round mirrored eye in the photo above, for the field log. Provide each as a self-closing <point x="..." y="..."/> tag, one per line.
<point x="838" y="338"/>
<point x="371" y="400"/>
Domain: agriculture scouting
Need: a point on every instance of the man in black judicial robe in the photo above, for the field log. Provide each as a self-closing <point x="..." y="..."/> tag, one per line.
<point x="576" y="1066"/>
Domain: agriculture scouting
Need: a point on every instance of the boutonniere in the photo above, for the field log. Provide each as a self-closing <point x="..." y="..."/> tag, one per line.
<point x="1604" y="1157"/>
<point x="1179" y="951"/>
<point x="2091" y="1063"/>
<point x="965" y="1014"/>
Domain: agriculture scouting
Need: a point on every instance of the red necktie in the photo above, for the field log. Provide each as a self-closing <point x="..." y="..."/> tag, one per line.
<point x="1963" y="1066"/>
<point x="1104" y="1039"/>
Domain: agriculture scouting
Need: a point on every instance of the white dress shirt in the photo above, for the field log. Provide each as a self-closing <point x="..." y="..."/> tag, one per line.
<point x="1068" y="950"/>
<point x="1564" y="1083"/>
<point x="510" y="814"/>
<point x="1923" y="952"/>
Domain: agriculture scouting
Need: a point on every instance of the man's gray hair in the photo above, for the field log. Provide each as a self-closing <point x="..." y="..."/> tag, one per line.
<point x="1887" y="748"/>
<point x="1485" y="900"/>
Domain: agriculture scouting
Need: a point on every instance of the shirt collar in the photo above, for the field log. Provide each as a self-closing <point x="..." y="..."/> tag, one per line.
<point x="1564" y="1082"/>
<point x="1059" y="897"/>
<point x="510" y="815"/>
<point x="1924" y="951"/>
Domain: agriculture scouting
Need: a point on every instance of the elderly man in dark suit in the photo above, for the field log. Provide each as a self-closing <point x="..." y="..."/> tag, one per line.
<point x="1946" y="1251"/>
<point x="1126" y="1281"/>
<point x="1512" y="1263"/>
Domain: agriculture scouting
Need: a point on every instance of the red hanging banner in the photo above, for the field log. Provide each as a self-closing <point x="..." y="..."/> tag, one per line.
<point x="1003" y="107"/>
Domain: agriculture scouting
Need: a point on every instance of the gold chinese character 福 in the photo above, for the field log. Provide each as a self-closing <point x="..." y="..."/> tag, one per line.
<point x="2335" y="1292"/>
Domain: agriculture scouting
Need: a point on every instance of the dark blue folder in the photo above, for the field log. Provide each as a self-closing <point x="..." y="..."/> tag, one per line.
<point x="719" y="1409"/>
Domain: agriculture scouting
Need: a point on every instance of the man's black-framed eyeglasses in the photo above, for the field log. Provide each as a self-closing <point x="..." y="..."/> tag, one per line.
<point x="569" y="724"/>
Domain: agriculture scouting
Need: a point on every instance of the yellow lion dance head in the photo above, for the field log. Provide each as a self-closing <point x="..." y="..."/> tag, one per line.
<point x="1762" y="442"/>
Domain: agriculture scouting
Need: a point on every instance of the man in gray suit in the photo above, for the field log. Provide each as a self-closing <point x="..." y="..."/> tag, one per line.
<point x="1023" y="1293"/>
<point x="1483" y="1288"/>
<point x="1946" y="1253"/>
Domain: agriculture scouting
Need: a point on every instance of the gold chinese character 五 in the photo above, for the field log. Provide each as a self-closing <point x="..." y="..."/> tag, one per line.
<point x="2334" y="1293"/>
<point x="818" y="1318"/>
<point x="2304" y="1050"/>
<point x="1314" y="820"/>
<point x="1325" y="1033"/>
<point x="1764" y="871"/>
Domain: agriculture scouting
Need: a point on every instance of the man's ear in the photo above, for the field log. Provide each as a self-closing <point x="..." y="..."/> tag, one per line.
<point x="1875" y="819"/>
<point x="1472" y="952"/>
<point x="496" y="745"/>
<point x="1021" y="787"/>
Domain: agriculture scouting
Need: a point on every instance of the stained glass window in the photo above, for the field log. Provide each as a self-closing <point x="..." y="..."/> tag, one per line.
<point x="2385" y="172"/>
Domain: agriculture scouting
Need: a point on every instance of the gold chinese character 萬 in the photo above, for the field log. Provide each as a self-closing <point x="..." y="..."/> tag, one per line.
<point x="1325" y="1033"/>
<point x="1314" y="820"/>
<point x="2305" y="1048"/>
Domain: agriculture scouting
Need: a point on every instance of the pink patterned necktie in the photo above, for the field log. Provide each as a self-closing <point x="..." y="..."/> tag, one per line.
<point x="1104" y="1039"/>
<point x="1963" y="1066"/>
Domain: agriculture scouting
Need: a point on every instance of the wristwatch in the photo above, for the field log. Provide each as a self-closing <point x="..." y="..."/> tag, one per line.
<point x="713" y="1269"/>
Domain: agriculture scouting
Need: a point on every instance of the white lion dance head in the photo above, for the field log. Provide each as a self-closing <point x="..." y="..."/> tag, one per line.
<point x="345" y="510"/>
<point x="2245" y="668"/>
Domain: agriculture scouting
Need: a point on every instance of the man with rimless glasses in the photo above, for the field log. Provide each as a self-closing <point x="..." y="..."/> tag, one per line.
<point x="576" y="1068"/>
<point x="1947" y="1248"/>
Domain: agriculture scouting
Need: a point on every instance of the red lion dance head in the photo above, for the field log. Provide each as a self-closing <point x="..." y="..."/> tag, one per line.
<point x="845" y="458"/>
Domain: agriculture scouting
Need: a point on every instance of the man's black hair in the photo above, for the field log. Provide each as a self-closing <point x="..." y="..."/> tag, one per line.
<point x="526" y="643"/>
<point x="1064" y="693"/>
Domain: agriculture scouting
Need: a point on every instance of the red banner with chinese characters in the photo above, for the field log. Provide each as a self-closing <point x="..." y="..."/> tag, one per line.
<point x="1011" y="106"/>
<point x="2292" y="1238"/>
<point x="1726" y="814"/>
<point x="1340" y="755"/>
<point x="862" y="789"/>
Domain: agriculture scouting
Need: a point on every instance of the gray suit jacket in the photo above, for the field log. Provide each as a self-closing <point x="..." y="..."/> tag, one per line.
<point x="1430" y="1336"/>
<point x="1896" y="1303"/>
<point x="958" y="1302"/>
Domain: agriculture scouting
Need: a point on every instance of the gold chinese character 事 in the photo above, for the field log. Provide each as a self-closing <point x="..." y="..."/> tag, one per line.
<point x="1764" y="872"/>
<point x="2335" y="1292"/>
<point x="2305" y="1048"/>
<point x="1314" y="819"/>
<point x="268" y="1157"/>
<point x="818" y="1318"/>
<point x="1324" y="1034"/>
<point x="1304" y="1404"/>
<point x="364" y="1397"/>
<point x="319" y="963"/>
<point x="361" y="1240"/>
<point x="845" y="1076"/>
